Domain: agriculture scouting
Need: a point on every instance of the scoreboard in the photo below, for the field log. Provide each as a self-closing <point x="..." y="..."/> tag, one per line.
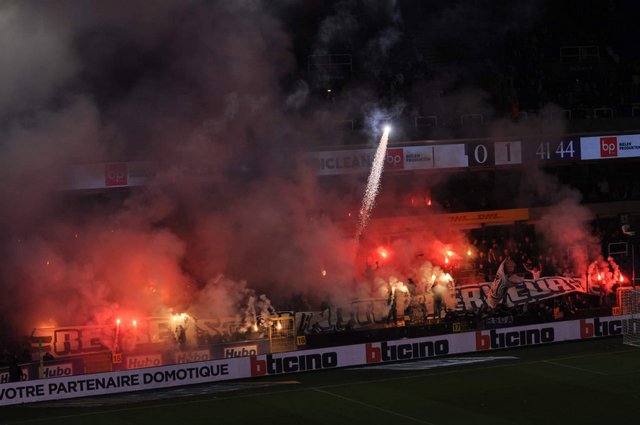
<point x="519" y="151"/>
<point x="478" y="154"/>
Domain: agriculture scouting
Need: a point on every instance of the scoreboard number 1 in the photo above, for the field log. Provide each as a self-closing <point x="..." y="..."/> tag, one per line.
<point x="508" y="153"/>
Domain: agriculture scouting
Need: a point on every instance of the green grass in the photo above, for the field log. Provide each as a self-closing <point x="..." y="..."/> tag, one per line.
<point x="586" y="382"/>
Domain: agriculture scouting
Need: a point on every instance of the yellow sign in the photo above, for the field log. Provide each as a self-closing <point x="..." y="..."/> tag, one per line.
<point x="116" y="358"/>
<point x="394" y="226"/>
<point x="301" y="340"/>
<point x="495" y="216"/>
<point x="457" y="327"/>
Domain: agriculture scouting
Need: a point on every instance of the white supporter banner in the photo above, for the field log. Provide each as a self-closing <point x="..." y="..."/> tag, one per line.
<point x="370" y="312"/>
<point x="309" y="360"/>
<point x="472" y="297"/>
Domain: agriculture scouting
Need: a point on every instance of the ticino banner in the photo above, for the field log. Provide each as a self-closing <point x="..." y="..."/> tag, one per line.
<point x="309" y="360"/>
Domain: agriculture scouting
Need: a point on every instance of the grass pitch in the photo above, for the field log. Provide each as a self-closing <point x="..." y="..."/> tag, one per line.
<point x="585" y="382"/>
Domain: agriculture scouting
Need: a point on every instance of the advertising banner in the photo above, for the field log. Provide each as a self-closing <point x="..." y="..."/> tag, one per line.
<point x="123" y="381"/>
<point x="610" y="147"/>
<point x="108" y="175"/>
<point x="396" y="159"/>
<point x="310" y="360"/>
<point x="486" y="217"/>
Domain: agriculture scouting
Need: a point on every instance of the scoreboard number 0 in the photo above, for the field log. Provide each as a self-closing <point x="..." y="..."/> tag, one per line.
<point x="480" y="154"/>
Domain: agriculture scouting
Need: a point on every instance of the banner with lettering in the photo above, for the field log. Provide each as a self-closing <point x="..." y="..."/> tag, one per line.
<point x="151" y="333"/>
<point x="371" y="353"/>
<point x="374" y="312"/>
<point x="475" y="296"/>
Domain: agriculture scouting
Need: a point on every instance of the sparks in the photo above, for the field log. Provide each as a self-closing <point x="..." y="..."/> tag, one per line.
<point x="373" y="183"/>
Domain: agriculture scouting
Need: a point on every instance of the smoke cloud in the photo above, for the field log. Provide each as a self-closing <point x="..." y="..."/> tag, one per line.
<point x="232" y="211"/>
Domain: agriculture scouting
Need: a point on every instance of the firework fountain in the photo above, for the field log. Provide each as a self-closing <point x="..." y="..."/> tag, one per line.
<point x="373" y="183"/>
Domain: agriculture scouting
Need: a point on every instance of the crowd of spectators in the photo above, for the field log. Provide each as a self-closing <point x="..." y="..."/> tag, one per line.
<point x="534" y="258"/>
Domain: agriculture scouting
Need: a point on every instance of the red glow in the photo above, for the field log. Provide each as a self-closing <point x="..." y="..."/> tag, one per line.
<point x="428" y="202"/>
<point x="383" y="253"/>
<point x="621" y="278"/>
<point x="118" y="321"/>
<point x="135" y="323"/>
<point x="599" y="277"/>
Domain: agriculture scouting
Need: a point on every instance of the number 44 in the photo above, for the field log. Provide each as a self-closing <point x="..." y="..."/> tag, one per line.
<point x="544" y="150"/>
